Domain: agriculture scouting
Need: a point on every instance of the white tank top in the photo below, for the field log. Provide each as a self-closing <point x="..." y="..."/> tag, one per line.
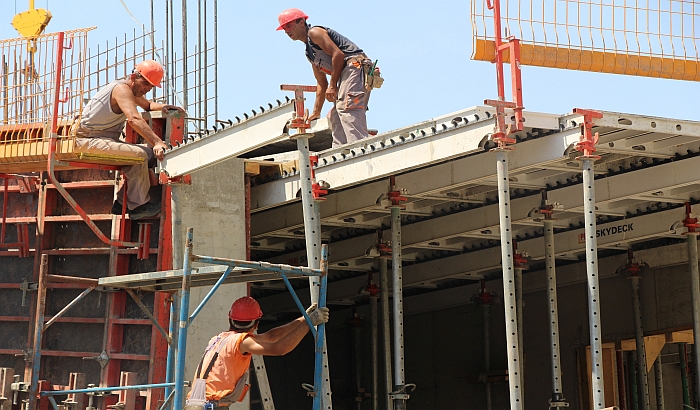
<point x="98" y="119"/>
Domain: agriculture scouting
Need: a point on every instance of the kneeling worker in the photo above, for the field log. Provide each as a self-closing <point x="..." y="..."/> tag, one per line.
<point x="226" y="360"/>
<point x="101" y="126"/>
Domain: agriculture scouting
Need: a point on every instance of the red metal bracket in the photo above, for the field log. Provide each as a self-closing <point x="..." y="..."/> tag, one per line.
<point x="520" y="260"/>
<point x="373" y="290"/>
<point x="164" y="179"/>
<point x="689" y="222"/>
<point x="588" y="140"/>
<point x="316" y="190"/>
<point x="300" y="120"/>
<point x="484" y="297"/>
<point x="513" y="48"/>
<point x="144" y="249"/>
<point x="394" y="194"/>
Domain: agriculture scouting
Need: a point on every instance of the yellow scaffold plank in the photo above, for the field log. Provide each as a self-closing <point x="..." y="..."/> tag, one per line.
<point x="595" y="61"/>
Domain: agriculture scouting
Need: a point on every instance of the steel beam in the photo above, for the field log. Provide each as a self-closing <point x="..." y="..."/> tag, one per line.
<point x="237" y="139"/>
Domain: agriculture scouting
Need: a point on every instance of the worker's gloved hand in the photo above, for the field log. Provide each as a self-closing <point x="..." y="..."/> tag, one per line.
<point x="319" y="315"/>
<point x="311" y="308"/>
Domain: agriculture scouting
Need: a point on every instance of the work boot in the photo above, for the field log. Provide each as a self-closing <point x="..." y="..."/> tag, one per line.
<point x="146" y="210"/>
<point x="116" y="208"/>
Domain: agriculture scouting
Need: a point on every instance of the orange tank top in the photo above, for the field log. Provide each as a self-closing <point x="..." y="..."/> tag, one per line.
<point x="229" y="366"/>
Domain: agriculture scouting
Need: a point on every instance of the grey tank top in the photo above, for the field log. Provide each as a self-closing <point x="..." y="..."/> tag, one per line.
<point x="98" y="119"/>
<point x="323" y="60"/>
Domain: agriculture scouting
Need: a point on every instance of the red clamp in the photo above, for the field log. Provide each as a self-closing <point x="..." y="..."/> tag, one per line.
<point x="373" y="290"/>
<point x="384" y="248"/>
<point x="484" y="297"/>
<point x="502" y="130"/>
<point x="394" y="194"/>
<point x="300" y="114"/>
<point x="316" y="190"/>
<point x="519" y="259"/>
<point x="164" y="179"/>
<point x="588" y="139"/>
<point x="690" y="222"/>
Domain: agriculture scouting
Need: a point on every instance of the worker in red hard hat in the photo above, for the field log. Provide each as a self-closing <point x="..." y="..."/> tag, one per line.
<point x="332" y="54"/>
<point x="100" y="130"/>
<point x="226" y="360"/>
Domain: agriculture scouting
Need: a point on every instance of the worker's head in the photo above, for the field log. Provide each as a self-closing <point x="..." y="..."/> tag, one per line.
<point x="244" y="314"/>
<point x="150" y="71"/>
<point x="293" y="22"/>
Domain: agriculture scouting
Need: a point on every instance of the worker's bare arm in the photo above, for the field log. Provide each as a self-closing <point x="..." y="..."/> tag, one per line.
<point x="126" y="101"/>
<point x="155" y="106"/>
<point x="273" y="335"/>
<point x="260" y="346"/>
<point x="321" y="86"/>
<point x="320" y="37"/>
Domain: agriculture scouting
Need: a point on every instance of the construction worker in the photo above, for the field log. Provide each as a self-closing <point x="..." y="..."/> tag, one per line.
<point x="101" y="126"/>
<point x="330" y="53"/>
<point x="226" y="360"/>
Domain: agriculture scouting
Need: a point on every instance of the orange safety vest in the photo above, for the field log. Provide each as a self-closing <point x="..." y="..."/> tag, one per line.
<point x="229" y="366"/>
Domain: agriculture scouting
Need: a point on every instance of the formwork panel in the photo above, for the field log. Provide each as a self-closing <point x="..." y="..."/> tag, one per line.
<point x="136" y="366"/>
<point x="94" y="201"/>
<point x="58" y="369"/>
<point x="137" y="339"/>
<point x="133" y="311"/>
<point x="14" y="335"/>
<point x="15" y="270"/>
<point x="12" y="303"/>
<point x="78" y="234"/>
<point x="86" y="266"/>
<point x="91" y="306"/>
<point x="85" y="337"/>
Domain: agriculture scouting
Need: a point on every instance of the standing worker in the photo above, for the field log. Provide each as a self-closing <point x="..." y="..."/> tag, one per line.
<point x="351" y="72"/>
<point x="101" y="126"/>
<point x="226" y="360"/>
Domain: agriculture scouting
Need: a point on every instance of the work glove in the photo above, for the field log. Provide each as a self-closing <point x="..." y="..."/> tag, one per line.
<point x="317" y="316"/>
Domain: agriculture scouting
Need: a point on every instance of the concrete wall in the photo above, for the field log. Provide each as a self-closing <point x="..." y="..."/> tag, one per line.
<point x="214" y="205"/>
<point x="444" y="339"/>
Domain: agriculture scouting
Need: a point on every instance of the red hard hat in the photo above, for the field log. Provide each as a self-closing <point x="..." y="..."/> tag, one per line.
<point x="245" y="309"/>
<point x="152" y="71"/>
<point x="290" y="15"/>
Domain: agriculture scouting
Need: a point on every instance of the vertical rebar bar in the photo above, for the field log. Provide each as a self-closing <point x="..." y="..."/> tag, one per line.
<point x="206" y="69"/>
<point x="198" y="64"/>
<point x="487" y="352"/>
<point x="375" y="350"/>
<point x="695" y="289"/>
<point x="399" y="380"/>
<point x="550" y="268"/>
<point x="216" y="62"/>
<point x="593" y="285"/>
<point x="184" y="59"/>
<point x="386" y="329"/>
<point x="641" y="348"/>
<point x="511" y="315"/>
<point x="178" y="399"/>
<point x="683" y="361"/>
<point x="659" y="378"/>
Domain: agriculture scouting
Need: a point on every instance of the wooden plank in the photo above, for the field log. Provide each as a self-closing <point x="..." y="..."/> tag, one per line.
<point x="683" y="336"/>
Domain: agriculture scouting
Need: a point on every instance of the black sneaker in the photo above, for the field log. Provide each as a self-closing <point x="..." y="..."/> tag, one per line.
<point x="146" y="210"/>
<point x="116" y="208"/>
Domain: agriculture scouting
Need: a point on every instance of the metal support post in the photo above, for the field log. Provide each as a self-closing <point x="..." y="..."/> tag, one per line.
<point x="557" y="399"/>
<point x="399" y="380"/>
<point x="322" y="396"/>
<point x="519" y="309"/>
<point x="632" y="365"/>
<point x="658" y="375"/>
<point x="512" y="340"/>
<point x="593" y="285"/>
<point x="683" y="361"/>
<point x="375" y="349"/>
<point x="695" y="289"/>
<point x="311" y="210"/>
<point x="639" y="339"/>
<point x="178" y="399"/>
<point x="173" y="330"/>
<point x="38" y="333"/>
<point x="386" y="330"/>
<point x="356" y="323"/>
<point x="487" y="352"/>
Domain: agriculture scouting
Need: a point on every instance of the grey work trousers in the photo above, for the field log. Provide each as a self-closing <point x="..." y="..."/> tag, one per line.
<point x="138" y="181"/>
<point x="348" y="116"/>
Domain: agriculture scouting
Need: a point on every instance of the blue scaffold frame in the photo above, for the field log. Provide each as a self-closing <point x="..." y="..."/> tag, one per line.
<point x="180" y="320"/>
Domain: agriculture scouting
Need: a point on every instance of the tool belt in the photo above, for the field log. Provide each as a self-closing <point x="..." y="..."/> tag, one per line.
<point x="372" y="76"/>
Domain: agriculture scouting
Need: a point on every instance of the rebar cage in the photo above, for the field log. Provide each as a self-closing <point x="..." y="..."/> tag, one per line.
<point x="28" y="85"/>
<point x="651" y="38"/>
